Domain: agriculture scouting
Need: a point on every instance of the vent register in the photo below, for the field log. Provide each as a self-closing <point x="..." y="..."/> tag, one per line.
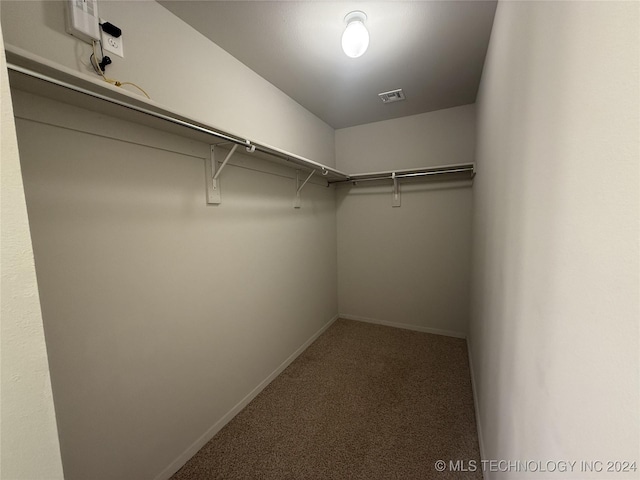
<point x="392" y="96"/>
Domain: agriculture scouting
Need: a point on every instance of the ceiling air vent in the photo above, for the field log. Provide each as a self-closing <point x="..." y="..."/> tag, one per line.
<point x="392" y="96"/>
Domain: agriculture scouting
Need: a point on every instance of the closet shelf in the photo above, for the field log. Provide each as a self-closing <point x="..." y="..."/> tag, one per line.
<point x="462" y="171"/>
<point x="39" y="76"/>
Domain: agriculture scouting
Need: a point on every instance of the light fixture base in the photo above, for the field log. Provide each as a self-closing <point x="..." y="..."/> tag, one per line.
<point x="356" y="15"/>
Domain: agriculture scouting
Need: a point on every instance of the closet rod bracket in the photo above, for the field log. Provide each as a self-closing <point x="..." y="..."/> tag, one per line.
<point x="213" y="172"/>
<point x="396" y="191"/>
<point x="296" y="201"/>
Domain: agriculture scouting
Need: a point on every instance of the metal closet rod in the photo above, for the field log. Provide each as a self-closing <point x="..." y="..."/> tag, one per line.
<point x="223" y="136"/>
<point x="369" y="177"/>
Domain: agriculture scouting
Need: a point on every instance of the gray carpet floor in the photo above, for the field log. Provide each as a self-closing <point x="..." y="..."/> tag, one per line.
<point x="363" y="401"/>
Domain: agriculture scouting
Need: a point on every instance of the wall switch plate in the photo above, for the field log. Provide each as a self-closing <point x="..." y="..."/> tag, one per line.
<point x="112" y="44"/>
<point x="82" y="19"/>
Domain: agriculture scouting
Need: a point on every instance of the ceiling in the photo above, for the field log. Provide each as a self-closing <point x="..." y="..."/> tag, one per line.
<point x="433" y="50"/>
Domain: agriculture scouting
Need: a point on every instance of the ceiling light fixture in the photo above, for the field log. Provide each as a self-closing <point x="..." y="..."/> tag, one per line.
<point x="355" y="39"/>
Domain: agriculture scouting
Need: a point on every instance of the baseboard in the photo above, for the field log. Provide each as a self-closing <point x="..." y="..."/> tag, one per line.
<point x="406" y="326"/>
<point x="208" y="435"/>
<point x="476" y="406"/>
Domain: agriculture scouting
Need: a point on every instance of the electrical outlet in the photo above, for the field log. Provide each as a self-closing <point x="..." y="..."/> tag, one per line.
<point x="112" y="44"/>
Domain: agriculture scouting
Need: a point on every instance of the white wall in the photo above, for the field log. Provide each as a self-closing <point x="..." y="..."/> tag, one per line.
<point x="29" y="439"/>
<point x="555" y="303"/>
<point x="179" y="68"/>
<point x="407" y="266"/>
<point x="435" y="138"/>
<point x="164" y="316"/>
<point x="162" y="313"/>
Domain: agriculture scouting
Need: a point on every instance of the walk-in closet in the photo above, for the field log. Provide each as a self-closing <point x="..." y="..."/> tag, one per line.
<point x="243" y="248"/>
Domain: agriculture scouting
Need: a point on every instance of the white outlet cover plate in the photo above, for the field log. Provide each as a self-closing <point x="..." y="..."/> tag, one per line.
<point x="112" y="44"/>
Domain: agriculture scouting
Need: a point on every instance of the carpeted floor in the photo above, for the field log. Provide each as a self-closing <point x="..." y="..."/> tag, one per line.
<point x="362" y="402"/>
